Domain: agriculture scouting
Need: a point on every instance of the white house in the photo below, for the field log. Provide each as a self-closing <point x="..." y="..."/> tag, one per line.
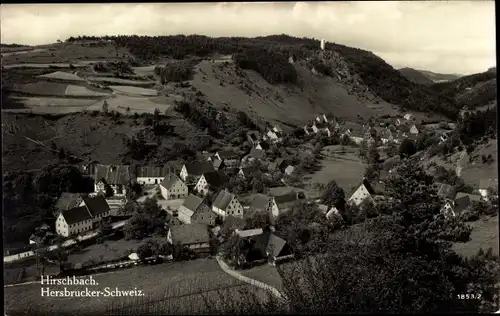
<point x="195" y="211"/>
<point x="485" y="185"/>
<point x="152" y="174"/>
<point x="364" y="193"/>
<point x="317" y="127"/>
<point x="282" y="203"/>
<point x="408" y="117"/>
<point x="172" y="188"/>
<point x="229" y="157"/>
<point x="227" y="204"/>
<point x="210" y="182"/>
<point x="414" y="130"/>
<point x="289" y="170"/>
<point x="191" y="172"/>
<point x="118" y="177"/>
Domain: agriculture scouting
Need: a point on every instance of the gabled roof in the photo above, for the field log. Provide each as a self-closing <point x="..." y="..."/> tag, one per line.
<point x="96" y="205"/>
<point x="189" y="234"/>
<point x="446" y="191"/>
<point x="67" y="201"/>
<point x="191" y="205"/>
<point x="170" y="180"/>
<point x="289" y="169"/>
<point x="153" y="171"/>
<point x="223" y="199"/>
<point x="260" y="202"/>
<point x="199" y="167"/>
<point x="113" y="174"/>
<point x="308" y="129"/>
<point x="247" y="171"/>
<point x="227" y="154"/>
<point x="269" y="243"/>
<point x="215" y="179"/>
<point x="464" y="200"/>
<point x="218" y="163"/>
<point x="76" y="215"/>
<point x="257" y="153"/>
<point x="286" y="198"/>
<point x="249" y="232"/>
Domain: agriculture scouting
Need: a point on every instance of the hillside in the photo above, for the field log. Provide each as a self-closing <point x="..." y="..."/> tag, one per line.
<point x="269" y="56"/>
<point x="470" y="91"/>
<point x="415" y="76"/>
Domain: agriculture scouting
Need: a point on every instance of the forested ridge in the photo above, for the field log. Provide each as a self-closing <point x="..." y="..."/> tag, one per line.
<point x="269" y="56"/>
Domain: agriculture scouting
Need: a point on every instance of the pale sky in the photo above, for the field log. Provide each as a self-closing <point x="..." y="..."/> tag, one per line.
<point x="440" y="36"/>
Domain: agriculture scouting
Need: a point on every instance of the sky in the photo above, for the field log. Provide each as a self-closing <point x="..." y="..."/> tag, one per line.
<point x="441" y="36"/>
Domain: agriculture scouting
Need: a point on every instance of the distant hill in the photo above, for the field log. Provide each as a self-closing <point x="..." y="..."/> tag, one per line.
<point x="361" y="74"/>
<point x="425" y="77"/>
<point x="471" y="91"/>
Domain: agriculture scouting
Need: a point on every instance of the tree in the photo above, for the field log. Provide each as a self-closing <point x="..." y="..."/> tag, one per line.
<point x="407" y="148"/>
<point x="105" y="106"/>
<point x="127" y="110"/>
<point x="333" y="195"/>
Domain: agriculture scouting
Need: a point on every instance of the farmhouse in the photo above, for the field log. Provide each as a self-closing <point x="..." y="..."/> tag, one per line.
<point x="97" y="207"/>
<point x="464" y="201"/>
<point x="414" y="130"/>
<point x="289" y="170"/>
<point x="282" y="203"/>
<point x="321" y="127"/>
<point x="82" y="218"/>
<point x="229" y="157"/>
<point x="262" y="204"/>
<point x="363" y="194"/>
<point x="263" y="145"/>
<point x="308" y="130"/>
<point x="227" y="204"/>
<point x="172" y="187"/>
<point x="257" y="154"/>
<point x="210" y="182"/>
<point x="274" y="135"/>
<point x="321" y="118"/>
<point x="279" y="164"/>
<point x="266" y="245"/>
<point x="195" y="211"/>
<point x="486" y="186"/>
<point x="448" y="208"/>
<point x="446" y="191"/>
<point x="191" y="172"/>
<point x="408" y="117"/>
<point x="253" y="137"/>
<point x="386" y="136"/>
<point x="152" y="174"/>
<point x="88" y="169"/>
<point x="118" y="177"/>
<point x="193" y="236"/>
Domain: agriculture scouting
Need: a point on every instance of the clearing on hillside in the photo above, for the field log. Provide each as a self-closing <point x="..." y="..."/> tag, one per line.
<point x="139" y="105"/>
<point x="42" y="88"/>
<point x="484" y="235"/>
<point x="134" y="91"/>
<point x="145" y="70"/>
<point x="61" y="75"/>
<point x="53" y="102"/>
<point x="81" y="91"/>
<point x="121" y="81"/>
<point x="52" y="65"/>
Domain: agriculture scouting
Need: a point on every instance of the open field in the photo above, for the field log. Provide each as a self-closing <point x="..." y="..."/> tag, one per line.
<point x="7" y="51"/>
<point x="484" y="235"/>
<point x="174" y="286"/>
<point x="138" y="105"/>
<point x="45" y="65"/>
<point x="53" y="102"/>
<point x="121" y="81"/>
<point x="347" y="168"/>
<point x="134" y="91"/>
<point x="60" y="75"/>
<point x="44" y="88"/>
<point x="47" y="110"/>
<point x="267" y="274"/>
<point x="81" y="91"/>
<point x="145" y="70"/>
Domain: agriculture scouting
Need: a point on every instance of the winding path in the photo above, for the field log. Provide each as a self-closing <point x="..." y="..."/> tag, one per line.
<point x="248" y="280"/>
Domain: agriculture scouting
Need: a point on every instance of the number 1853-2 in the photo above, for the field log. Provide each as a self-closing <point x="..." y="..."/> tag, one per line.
<point x="468" y="296"/>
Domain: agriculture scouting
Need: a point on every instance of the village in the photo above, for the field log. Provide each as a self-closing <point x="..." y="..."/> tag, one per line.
<point x="202" y="196"/>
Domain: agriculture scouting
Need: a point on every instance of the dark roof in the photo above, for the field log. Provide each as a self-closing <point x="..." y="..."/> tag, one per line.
<point x="169" y="180"/>
<point x="264" y="145"/>
<point x="257" y="153"/>
<point x="268" y="242"/>
<point x="113" y="174"/>
<point x="321" y="125"/>
<point x="286" y="198"/>
<point x="249" y="170"/>
<point x="153" y="171"/>
<point x="189" y="234"/>
<point x="254" y="135"/>
<point x="464" y="200"/>
<point x="198" y="168"/>
<point x="368" y="186"/>
<point x="488" y="183"/>
<point x="76" y="215"/>
<point x="260" y="202"/>
<point x="67" y="201"/>
<point x="192" y="203"/>
<point x="227" y="154"/>
<point x="215" y="179"/>
<point x="218" y="163"/>
<point x="223" y="199"/>
<point x="96" y="205"/>
<point x="446" y="191"/>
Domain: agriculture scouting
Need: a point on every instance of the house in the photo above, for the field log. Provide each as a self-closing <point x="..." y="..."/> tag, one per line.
<point x="279" y="164"/>
<point x="262" y="204"/>
<point x="257" y="154"/>
<point x="67" y="201"/>
<point x="464" y="201"/>
<point x="248" y="232"/>
<point x="333" y="211"/>
<point x="152" y="174"/>
<point x="263" y="145"/>
<point x="210" y="182"/>
<point x="248" y="171"/>
<point x="363" y="194"/>
<point x="195" y="211"/>
<point x="446" y="191"/>
<point x="88" y="169"/>
<point x="41" y="235"/>
<point x="277" y="129"/>
<point x="229" y="157"/>
<point x="408" y="117"/>
<point x="227" y="204"/>
<point x="321" y="118"/>
<point x="253" y="137"/>
<point x="386" y="136"/>
<point x="117" y="177"/>
<point x="289" y="170"/>
<point x="172" y="188"/>
<point x="267" y="245"/>
<point x="74" y="221"/>
<point x="192" y="236"/>
<point x="282" y="203"/>
<point x="414" y="130"/>
<point x="486" y="186"/>
<point x="191" y="172"/>
<point x="321" y="127"/>
<point x="97" y="207"/>
<point x="274" y="135"/>
<point x="448" y="208"/>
